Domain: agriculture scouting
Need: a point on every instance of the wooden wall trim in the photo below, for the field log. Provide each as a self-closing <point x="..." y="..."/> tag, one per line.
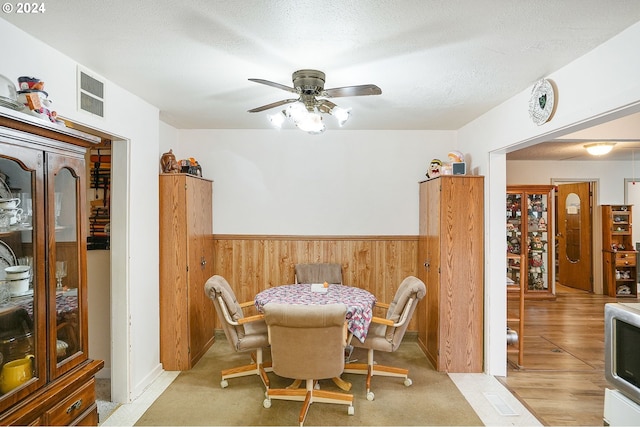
<point x="252" y="263"/>
<point x="304" y="237"/>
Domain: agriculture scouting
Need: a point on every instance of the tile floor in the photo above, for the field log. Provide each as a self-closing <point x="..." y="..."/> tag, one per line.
<point x="493" y="403"/>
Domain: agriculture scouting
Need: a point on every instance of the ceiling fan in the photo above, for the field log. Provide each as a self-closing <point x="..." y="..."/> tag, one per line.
<point x="309" y="86"/>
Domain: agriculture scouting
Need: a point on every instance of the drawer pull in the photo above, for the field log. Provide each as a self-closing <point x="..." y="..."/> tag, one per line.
<point x="76" y="405"/>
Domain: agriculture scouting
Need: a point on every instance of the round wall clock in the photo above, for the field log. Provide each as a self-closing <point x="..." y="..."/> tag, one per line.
<point x="541" y="102"/>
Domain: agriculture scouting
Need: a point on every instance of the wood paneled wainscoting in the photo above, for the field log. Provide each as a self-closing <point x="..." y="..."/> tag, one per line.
<point x="252" y="263"/>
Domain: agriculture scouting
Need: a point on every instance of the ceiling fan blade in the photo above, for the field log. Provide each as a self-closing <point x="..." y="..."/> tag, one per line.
<point x="274" y="84"/>
<point x="272" y="105"/>
<point x="361" y="90"/>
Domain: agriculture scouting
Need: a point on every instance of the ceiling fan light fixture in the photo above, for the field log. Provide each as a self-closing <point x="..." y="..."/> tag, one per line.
<point x="599" y="148"/>
<point x="310" y="122"/>
<point x="341" y="114"/>
<point x="277" y="119"/>
<point x="296" y="112"/>
<point x="306" y="111"/>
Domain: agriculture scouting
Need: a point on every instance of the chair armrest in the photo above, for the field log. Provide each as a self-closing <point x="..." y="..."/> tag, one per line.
<point x="382" y="321"/>
<point x="250" y="319"/>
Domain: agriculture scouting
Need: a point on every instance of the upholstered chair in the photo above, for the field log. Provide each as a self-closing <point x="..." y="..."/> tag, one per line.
<point x="318" y="273"/>
<point x="386" y="334"/>
<point x="307" y="342"/>
<point x="245" y="334"/>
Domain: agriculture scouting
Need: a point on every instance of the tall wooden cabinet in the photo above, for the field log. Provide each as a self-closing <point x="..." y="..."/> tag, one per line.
<point x="46" y="375"/>
<point x="451" y="260"/>
<point x="619" y="257"/>
<point x="187" y="316"/>
<point x="530" y="234"/>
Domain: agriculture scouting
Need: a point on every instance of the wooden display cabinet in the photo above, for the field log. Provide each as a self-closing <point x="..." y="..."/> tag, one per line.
<point x="530" y="237"/>
<point x="618" y="255"/>
<point x="43" y="320"/>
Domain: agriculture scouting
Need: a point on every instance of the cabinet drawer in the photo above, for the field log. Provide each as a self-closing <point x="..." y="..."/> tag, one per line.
<point x="625" y="259"/>
<point x="89" y="418"/>
<point x="65" y="412"/>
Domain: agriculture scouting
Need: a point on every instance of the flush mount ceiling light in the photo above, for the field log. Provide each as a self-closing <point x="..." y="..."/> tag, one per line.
<point x="599" y="148"/>
<point x="306" y="111"/>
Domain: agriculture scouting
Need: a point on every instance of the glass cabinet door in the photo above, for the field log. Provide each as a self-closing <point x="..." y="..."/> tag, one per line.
<point x="537" y="242"/>
<point x="22" y="293"/>
<point x="64" y="195"/>
<point x="514" y="238"/>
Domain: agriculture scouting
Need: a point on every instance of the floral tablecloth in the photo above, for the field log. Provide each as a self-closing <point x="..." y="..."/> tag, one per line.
<point x="358" y="301"/>
<point x="65" y="304"/>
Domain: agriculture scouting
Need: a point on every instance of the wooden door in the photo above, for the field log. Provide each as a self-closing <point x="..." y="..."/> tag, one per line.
<point x="422" y="268"/>
<point x="574" y="236"/>
<point x="432" y="266"/>
<point x="199" y="265"/>
<point x="461" y="235"/>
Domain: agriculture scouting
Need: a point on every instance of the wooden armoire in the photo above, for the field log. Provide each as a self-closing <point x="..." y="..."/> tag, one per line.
<point x="451" y="264"/>
<point x="187" y="316"/>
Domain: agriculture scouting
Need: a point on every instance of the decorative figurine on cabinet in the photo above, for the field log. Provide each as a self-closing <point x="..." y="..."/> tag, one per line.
<point x="191" y="166"/>
<point x="538" y="284"/>
<point x="169" y="163"/>
<point x="542" y="224"/>
<point x="513" y="245"/>
<point x="434" y="168"/>
<point x="623" y="290"/>
<point x="535" y="263"/>
<point x="537" y="244"/>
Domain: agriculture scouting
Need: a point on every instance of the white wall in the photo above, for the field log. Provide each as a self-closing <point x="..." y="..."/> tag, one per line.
<point x="168" y="140"/>
<point x="99" y="268"/>
<point x="610" y="175"/>
<point x="135" y="219"/>
<point x="598" y="87"/>
<point x="337" y="183"/>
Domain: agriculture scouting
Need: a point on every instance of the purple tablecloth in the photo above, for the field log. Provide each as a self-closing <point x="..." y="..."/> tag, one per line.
<point x="358" y="301"/>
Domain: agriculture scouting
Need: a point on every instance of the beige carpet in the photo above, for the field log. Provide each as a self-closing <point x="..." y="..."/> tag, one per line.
<point x="195" y="397"/>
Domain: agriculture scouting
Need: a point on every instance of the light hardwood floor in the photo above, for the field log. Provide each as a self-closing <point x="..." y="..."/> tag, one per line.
<point x="562" y="378"/>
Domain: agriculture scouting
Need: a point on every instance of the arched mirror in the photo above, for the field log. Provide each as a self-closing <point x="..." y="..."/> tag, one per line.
<point x="572" y="204"/>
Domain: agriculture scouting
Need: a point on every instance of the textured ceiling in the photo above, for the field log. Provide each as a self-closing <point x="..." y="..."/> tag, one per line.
<point x="440" y="64"/>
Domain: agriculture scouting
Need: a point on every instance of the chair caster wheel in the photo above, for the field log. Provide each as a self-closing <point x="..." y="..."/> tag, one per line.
<point x="351" y="410"/>
<point x="408" y="382"/>
<point x="224" y="383"/>
<point x="370" y="396"/>
<point x="267" y="403"/>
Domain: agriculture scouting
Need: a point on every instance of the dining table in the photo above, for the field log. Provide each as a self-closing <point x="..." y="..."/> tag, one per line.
<point x="359" y="302"/>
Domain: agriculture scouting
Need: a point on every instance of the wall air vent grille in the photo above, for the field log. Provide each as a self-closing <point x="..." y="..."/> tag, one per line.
<point x="90" y="94"/>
